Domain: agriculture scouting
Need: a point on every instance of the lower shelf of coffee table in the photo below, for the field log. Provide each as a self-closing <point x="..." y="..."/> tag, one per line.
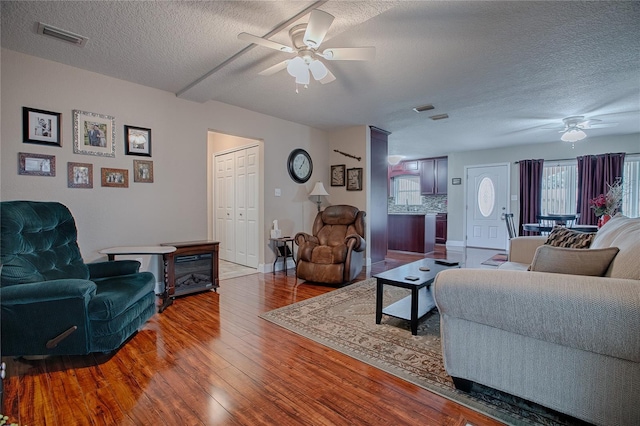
<point x="402" y="308"/>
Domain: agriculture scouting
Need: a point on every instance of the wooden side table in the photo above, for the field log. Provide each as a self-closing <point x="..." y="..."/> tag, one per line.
<point x="192" y="267"/>
<point x="281" y="249"/>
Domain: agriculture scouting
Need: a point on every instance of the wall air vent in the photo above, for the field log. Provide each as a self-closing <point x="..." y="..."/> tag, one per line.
<point x="424" y="108"/>
<point x="63" y="35"/>
<point x="439" y="117"/>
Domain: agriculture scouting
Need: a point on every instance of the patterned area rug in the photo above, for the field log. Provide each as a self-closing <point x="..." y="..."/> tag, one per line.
<point x="496" y="260"/>
<point x="344" y="320"/>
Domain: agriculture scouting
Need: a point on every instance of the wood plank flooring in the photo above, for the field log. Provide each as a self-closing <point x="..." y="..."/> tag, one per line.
<point x="210" y="360"/>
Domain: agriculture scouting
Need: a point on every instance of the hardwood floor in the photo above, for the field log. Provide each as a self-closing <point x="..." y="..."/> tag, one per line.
<point x="210" y="360"/>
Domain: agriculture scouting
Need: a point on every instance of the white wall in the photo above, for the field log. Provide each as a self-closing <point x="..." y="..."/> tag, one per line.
<point x="549" y="151"/>
<point x="174" y="207"/>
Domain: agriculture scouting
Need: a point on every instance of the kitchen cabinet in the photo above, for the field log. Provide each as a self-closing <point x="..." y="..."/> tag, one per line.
<point x="412" y="232"/>
<point x="433" y="176"/>
<point x="441" y="228"/>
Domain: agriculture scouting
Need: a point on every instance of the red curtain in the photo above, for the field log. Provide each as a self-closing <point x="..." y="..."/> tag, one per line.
<point x="530" y="192"/>
<point x="595" y="173"/>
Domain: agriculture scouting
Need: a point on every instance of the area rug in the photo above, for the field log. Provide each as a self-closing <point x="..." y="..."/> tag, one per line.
<point x="496" y="260"/>
<point x="344" y="320"/>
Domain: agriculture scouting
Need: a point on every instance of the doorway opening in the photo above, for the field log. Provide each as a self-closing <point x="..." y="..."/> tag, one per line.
<point x="234" y="188"/>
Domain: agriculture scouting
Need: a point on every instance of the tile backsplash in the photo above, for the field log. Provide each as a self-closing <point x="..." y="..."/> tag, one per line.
<point x="430" y="204"/>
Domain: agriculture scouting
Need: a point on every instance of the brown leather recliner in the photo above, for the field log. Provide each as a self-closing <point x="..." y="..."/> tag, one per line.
<point x="334" y="254"/>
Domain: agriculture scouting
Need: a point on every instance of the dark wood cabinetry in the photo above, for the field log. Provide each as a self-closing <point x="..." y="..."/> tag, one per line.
<point x="433" y="176"/>
<point x="441" y="228"/>
<point x="412" y="232"/>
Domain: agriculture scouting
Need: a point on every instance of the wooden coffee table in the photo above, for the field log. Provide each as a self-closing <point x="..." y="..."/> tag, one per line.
<point x="419" y="302"/>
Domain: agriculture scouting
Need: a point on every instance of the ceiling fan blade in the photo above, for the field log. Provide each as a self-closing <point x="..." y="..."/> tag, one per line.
<point x="350" y="54"/>
<point x="274" y="69"/>
<point x="319" y="23"/>
<point x="328" y="78"/>
<point x="264" y="42"/>
<point x="601" y="125"/>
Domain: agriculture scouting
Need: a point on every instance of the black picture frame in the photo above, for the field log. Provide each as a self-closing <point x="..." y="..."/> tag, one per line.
<point x="137" y="141"/>
<point x="41" y="127"/>
<point x="338" y="173"/>
<point x="354" y="179"/>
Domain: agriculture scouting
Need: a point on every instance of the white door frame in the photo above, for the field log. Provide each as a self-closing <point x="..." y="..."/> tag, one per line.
<point x="506" y="195"/>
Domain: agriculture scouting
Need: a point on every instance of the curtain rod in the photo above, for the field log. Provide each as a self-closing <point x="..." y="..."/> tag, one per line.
<point x="568" y="159"/>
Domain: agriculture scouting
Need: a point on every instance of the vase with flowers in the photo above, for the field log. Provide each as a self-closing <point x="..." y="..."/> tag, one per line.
<point x="606" y="205"/>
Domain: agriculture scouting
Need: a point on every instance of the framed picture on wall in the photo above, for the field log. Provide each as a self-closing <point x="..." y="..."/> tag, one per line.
<point x="115" y="178"/>
<point x="354" y="179"/>
<point x="337" y="175"/>
<point x="143" y="171"/>
<point x="36" y="164"/>
<point x="39" y="126"/>
<point x="94" y="134"/>
<point x="137" y="141"/>
<point x="79" y="175"/>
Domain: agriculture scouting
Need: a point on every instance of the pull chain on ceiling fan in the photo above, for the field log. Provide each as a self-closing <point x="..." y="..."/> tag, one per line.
<point x="306" y="39"/>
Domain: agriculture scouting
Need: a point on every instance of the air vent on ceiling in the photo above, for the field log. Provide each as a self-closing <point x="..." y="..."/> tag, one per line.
<point x="63" y="35"/>
<point x="439" y="117"/>
<point x="424" y="108"/>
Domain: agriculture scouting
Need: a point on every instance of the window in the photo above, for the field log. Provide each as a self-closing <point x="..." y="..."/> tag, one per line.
<point x="406" y="190"/>
<point x="631" y="186"/>
<point x="559" y="187"/>
<point x="560" y="183"/>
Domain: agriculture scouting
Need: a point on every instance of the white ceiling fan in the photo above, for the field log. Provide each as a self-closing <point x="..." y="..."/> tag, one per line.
<point x="575" y="126"/>
<point x="306" y="40"/>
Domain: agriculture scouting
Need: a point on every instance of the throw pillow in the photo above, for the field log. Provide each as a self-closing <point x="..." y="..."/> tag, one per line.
<point x="561" y="260"/>
<point x="566" y="237"/>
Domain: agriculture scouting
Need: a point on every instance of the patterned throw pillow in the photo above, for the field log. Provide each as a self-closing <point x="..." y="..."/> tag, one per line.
<point x="566" y="237"/>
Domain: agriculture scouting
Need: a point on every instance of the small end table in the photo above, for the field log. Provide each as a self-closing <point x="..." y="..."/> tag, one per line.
<point x="281" y="249"/>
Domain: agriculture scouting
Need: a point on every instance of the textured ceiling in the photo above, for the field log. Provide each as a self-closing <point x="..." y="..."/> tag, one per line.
<point x="503" y="71"/>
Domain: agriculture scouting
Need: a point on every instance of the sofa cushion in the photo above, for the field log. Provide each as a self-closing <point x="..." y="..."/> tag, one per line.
<point x="565" y="237"/>
<point x="624" y="233"/>
<point x="561" y="260"/>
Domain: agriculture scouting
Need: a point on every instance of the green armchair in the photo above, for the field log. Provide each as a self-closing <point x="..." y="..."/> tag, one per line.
<point x="52" y="303"/>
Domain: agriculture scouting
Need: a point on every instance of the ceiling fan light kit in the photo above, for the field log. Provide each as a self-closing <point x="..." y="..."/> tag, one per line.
<point x="306" y="39"/>
<point x="573" y="135"/>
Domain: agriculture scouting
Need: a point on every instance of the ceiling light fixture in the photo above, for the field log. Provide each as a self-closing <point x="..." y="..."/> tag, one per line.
<point x="573" y="135"/>
<point x="394" y="159"/>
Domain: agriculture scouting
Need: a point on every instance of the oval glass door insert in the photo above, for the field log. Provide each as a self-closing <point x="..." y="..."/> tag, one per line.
<point x="486" y="196"/>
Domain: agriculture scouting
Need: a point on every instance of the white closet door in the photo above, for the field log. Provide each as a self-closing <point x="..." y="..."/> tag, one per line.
<point x="228" y="190"/>
<point x="220" y="210"/>
<point x="241" y="207"/>
<point x="252" y="202"/>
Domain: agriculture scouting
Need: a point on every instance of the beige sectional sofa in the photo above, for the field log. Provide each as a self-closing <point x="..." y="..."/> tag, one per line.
<point x="565" y="341"/>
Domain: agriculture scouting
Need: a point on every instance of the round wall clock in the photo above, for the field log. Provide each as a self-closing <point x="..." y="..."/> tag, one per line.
<point x="299" y="165"/>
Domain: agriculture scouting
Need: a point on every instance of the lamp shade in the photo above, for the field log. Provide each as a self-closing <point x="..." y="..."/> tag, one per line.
<point x="319" y="189"/>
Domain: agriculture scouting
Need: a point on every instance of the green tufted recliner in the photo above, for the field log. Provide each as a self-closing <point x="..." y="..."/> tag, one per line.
<point x="52" y="302"/>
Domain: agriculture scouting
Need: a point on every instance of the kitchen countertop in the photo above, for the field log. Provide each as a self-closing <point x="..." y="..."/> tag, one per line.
<point x="413" y="213"/>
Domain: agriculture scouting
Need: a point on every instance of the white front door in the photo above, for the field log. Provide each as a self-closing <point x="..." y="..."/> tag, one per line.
<point x="487" y="195"/>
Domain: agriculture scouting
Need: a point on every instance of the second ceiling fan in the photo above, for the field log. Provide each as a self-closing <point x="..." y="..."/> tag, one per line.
<point x="306" y="40"/>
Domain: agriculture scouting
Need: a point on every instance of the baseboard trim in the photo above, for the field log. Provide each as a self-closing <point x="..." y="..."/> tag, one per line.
<point x="455" y="245"/>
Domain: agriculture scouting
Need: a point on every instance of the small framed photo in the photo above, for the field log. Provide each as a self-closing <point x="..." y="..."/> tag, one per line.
<point x="79" y="175"/>
<point x="337" y="175"/>
<point x="41" y="127"/>
<point x="143" y="171"/>
<point x="116" y="178"/>
<point x="137" y="141"/>
<point x="94" y="134"/>
<point x="36" y="164"/>
<point x="354" y="179"/>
